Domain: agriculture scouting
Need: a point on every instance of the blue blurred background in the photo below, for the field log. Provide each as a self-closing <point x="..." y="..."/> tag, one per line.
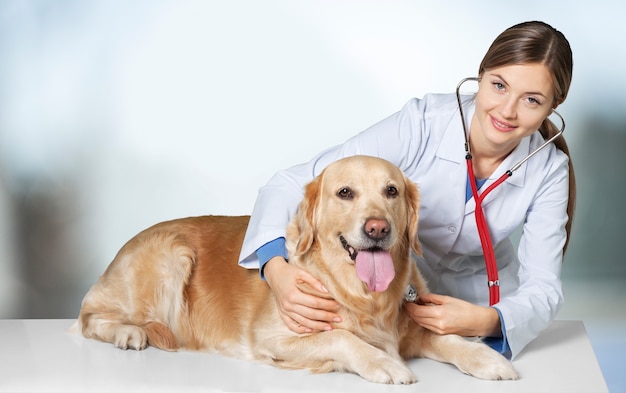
<point x="115" y="115"/>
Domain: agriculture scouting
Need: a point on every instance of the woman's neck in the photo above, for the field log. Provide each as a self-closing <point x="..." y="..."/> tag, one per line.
<point x="486" y="157"/>
<point x="484" y="165"/>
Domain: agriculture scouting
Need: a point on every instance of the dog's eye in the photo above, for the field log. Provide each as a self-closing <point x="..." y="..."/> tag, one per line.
<point x="392" y="191"/>
<point x="345" y="193"/>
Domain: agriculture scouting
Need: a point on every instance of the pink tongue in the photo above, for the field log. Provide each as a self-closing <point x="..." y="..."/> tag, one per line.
<point x="375" y="268"/>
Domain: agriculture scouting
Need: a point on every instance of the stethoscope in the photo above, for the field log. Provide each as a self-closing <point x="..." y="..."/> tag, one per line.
<point x="493" y="281"/>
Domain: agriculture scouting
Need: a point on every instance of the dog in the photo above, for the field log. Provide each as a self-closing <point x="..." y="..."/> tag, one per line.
<point x="177" y="285"/>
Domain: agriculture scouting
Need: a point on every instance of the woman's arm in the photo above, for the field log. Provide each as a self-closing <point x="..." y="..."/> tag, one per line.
<point x="539" y="296"/>
<point x="397" y="138"/>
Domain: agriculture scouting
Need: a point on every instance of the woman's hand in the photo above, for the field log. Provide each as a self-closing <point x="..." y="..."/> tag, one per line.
<point x="301" y="312"/>
<point x="448" y="315"/>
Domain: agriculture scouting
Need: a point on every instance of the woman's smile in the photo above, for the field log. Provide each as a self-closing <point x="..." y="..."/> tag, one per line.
<point x="501" y="125"/>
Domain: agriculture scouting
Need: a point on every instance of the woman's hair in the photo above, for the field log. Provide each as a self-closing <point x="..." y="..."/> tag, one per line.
<point x="538" y="42"/>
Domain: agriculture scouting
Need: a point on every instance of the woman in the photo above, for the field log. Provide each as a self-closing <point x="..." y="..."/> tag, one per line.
<point x="525" y="74"/>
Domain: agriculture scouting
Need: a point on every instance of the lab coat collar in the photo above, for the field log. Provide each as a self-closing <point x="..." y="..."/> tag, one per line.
<point x="452" y="147"/>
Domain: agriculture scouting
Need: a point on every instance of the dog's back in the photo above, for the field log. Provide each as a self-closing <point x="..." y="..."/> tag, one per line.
<point x="175" y="285"/>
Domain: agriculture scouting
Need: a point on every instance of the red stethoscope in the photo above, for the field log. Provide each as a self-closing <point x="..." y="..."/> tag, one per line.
<point x="493" y="281"/>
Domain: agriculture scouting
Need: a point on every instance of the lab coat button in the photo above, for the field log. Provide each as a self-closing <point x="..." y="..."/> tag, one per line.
<point x="452" y="229"/>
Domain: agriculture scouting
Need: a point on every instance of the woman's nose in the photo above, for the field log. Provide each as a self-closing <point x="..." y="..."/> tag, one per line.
<point x="508" y="108"/>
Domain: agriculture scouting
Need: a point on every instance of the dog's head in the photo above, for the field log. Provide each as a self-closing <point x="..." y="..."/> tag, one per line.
<point x="362" y="212"/>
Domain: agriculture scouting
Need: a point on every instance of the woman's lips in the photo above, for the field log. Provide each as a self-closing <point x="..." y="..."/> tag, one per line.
<point x="501" y="126"/>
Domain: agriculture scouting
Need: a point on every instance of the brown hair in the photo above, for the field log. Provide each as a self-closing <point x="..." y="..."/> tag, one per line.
<point x="538" y="42"/>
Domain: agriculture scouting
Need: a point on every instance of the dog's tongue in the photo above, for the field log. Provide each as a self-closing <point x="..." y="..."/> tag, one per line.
<point x="375" y="268"/>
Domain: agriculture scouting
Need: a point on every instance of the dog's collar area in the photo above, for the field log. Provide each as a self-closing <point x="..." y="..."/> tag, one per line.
<point x="352" y="252"/>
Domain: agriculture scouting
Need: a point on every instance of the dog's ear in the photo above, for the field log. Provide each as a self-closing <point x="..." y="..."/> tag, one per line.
<point x="413" y="203"/>
<point x="305" y="216"/>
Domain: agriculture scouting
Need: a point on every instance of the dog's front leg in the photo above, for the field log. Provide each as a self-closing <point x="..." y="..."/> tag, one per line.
<point x="473" y="358"/>
<point x="336" y="350"/>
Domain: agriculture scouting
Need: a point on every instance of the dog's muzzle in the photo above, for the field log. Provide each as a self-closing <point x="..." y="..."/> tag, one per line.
<point x="351" y="250"/>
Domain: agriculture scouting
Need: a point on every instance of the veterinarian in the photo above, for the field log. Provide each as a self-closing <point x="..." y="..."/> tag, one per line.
<point x="525" y="74"/>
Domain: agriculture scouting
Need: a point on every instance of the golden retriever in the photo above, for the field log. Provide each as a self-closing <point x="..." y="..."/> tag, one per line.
<point x="177" y="285"/>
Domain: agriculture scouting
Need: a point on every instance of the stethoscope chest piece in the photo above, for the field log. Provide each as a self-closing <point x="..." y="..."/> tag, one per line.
<point x="410" y="294"/>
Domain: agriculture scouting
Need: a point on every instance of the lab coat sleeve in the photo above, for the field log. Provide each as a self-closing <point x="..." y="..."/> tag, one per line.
<point x="539" y="296"/>
<point x="396" y="138"/>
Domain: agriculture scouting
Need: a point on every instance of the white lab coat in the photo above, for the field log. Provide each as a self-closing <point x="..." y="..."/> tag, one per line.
<point x="425" y="140"/>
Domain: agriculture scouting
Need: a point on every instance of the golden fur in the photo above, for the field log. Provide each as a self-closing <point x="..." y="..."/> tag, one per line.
<point x="177" y="285"/>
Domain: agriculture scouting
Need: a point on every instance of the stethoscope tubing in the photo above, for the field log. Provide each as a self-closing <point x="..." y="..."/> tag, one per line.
<point x="491" y="267"/>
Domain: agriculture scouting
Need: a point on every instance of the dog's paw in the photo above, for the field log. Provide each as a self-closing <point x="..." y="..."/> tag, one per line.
<point x="387" y="370"/>
<point x="485" y="363"/>
<point x="130" y="337"/>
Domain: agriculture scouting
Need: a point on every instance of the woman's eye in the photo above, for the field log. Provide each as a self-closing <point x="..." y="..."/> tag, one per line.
<point x="533" y="100"/>
<point x="392" y="191"/>
<point x="498" y="85"/>
<point x="345" y="193"/>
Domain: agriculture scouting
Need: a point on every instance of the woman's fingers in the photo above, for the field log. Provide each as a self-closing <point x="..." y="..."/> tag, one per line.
<point x="433" y="298"/>
<point x="312" y="312"/>
<point x="449" y="315"/>
<point x="302" y="312"/>
<point x="305" y="277"/>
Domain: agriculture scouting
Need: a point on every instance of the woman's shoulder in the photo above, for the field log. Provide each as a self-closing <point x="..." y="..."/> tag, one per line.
<point x="550" y="153"/>
<point x="436" y="107"/>
<point x="550" y="161"/>
<point x="436" y="101"/>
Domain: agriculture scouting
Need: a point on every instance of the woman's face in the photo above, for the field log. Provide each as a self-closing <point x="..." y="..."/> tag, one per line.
<point x="511" y="103"/>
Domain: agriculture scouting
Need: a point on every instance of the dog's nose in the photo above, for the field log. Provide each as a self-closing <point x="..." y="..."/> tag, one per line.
<point x="376" y="228"/>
